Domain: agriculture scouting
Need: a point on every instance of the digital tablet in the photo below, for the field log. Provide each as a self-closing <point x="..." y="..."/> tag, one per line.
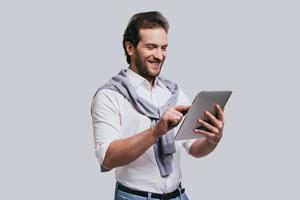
<point x="204" y="101"/>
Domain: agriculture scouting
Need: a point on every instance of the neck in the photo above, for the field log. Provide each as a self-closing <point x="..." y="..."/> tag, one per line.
<point x="149" y="79"/>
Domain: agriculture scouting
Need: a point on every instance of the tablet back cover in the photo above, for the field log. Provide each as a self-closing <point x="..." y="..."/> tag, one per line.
<point x="204" y="101"/>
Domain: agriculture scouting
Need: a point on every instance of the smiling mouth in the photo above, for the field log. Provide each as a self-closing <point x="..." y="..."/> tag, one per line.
<point x="155" y="63"/>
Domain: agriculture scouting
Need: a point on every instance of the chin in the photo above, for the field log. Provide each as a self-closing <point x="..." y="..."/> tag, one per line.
<point x="154" y="73"/>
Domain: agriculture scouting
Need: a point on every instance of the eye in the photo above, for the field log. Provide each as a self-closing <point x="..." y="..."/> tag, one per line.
<point x="164" y="48"/>
<point x="150" y="47"/>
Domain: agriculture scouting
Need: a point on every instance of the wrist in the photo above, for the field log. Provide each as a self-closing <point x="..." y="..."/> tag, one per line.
<point x="211" y="143"/>
<point x="156" y="131"/>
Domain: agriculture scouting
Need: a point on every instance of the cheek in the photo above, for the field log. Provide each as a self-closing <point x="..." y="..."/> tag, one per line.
<point x="144" y="55"/>
<point x="147" y="55"/>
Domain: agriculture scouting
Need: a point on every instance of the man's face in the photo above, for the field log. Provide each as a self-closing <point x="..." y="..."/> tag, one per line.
<point x="150" y="53"/>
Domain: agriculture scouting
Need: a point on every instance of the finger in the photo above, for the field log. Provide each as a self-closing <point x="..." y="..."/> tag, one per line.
<point x="214" y="120"/>
<point x="171" y="117"/>
<point x="206" y="133"/>
<point x="212" y="138"/>
<point x="182" y="108"/>
<point x="175" y="121"/>
<point x="176" y="113"/>
<point x="174" y="117"/>
<point x="220" y="113"/>
<point x="208" y="126"/>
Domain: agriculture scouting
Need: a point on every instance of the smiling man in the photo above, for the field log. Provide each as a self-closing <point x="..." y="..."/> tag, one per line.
<point x="136" y="115"/>
<point x="149" y="54"/>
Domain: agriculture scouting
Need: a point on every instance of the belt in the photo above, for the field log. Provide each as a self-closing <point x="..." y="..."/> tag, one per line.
<point x="165" y="196"/>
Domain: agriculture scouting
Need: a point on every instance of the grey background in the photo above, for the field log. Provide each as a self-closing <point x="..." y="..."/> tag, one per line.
<point x="55" y="54"/>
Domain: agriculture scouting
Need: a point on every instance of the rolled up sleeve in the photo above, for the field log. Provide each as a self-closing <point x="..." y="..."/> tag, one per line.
<point x="106" y="121"/>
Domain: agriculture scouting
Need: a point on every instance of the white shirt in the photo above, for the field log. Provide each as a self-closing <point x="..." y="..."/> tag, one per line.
<point x="114" y="117"/>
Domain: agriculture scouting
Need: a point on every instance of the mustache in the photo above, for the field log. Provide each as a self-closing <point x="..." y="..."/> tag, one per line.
<point x="156" y="60"/>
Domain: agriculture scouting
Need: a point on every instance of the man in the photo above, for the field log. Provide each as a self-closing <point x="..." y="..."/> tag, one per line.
<point x="135" y="117"/>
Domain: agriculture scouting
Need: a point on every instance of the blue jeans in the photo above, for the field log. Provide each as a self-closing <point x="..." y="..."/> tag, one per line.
<point x="121" y="195"/>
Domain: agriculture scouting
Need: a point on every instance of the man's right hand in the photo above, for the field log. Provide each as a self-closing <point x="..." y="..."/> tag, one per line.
<point x="170" y="119"/>
<point x="124" y="151"/>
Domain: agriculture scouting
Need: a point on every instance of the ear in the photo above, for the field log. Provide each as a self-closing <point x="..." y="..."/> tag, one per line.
<point x="129" y="48"/>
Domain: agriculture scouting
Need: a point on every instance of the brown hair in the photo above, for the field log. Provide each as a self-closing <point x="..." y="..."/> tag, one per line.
<point x="152" y="19"/>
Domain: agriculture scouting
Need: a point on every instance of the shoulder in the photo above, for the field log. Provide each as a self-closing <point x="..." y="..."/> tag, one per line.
<point x="107" y="97"/>
<point x="107" y="94"/>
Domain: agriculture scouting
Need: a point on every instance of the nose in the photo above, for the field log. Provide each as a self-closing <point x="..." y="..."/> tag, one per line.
<point x="160" y="54"/>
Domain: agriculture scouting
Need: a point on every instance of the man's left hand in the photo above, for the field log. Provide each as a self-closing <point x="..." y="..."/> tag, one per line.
<point x="214" y="129"/>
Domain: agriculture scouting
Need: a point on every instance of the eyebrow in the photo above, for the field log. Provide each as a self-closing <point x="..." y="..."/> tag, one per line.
<point x="155" y="45"/>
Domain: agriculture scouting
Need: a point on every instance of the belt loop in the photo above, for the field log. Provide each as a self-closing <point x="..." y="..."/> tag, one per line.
<point x="149" y="196"/>
<point x="116" y="189"/>
<point x="179" y="189"/>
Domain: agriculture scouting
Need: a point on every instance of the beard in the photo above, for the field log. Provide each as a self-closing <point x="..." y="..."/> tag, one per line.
<point x="149" y="68"/>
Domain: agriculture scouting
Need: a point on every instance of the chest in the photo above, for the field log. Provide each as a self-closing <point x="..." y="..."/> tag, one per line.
<point x="133" y="121"/>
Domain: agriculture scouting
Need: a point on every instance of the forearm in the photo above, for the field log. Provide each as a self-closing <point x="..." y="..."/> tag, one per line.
<point x="124" y="151"/>
<point x="201" y="147"/>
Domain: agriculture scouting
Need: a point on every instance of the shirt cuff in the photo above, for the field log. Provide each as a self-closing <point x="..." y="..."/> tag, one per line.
<point x="101" y="151"/>
<point x="187" y="145"/>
